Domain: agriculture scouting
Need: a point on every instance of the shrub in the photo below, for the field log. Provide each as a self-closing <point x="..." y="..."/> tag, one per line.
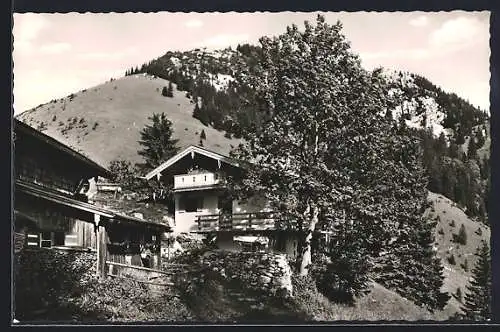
<point x="54" y="118"/>
<point x="452" y="223"/>
<point x="461" y="237"/>
<point x="95" y="125"/>
<point x="441" y="231"/>
<point x="479" y="231"/>
<point x="458" y="294"/>
<point x="465" y="265"/>
<point x="451" y="260"/>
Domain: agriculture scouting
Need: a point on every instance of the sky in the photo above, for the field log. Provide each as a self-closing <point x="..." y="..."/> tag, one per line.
<point x="55" y="55"/>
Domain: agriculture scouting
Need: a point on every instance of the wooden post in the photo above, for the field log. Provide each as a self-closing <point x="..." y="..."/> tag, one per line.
<point x="101" y="248"/>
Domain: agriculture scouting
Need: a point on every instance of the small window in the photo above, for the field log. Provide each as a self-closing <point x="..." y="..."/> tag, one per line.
<point x="33" y="240"/>
<point x="216" y="176"/>
<point x="153" y="237"/>
<point x="194" y="178"/>
<point x="59" y="239"/>
<point x="46" y="240"/>
<point x="191" y="204"/>
<point x="205" y="178"/>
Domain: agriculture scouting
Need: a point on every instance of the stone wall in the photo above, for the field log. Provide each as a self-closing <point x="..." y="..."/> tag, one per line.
<point x="46" y="277"/>
<point x="269" y="273"/>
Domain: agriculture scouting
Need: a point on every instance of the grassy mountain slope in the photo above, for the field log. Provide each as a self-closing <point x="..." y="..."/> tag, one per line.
<point x="449" y="219"/>
<point x="117" y="110"/>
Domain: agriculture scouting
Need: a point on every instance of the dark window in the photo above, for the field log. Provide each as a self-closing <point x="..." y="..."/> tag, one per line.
<point x="59" y="238"/>
<point x="46" y="241"/>
<point x="191" y="204"/>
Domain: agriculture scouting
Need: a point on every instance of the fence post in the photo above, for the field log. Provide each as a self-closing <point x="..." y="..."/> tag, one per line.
<point x="101" y="247"/>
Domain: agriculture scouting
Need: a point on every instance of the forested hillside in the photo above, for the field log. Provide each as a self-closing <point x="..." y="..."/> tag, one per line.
<point x="454" y="134"/>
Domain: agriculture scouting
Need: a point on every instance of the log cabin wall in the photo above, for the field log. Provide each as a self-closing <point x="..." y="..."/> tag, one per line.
<point x="40" y="163"/>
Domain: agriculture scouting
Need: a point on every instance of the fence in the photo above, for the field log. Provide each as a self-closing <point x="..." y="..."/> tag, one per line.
<point x="144" y="274"/>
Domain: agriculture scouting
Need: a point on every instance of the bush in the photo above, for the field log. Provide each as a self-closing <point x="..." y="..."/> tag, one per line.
<point x="54" y="118"/>
<point x="343" y="277"/>
<point x="458" y="294"/>
<point x="479" y="231"/>
<point x="451" y="260"/>
<point x="95" y="125"/>
<point x="452" y="223"/>
<point x="441" y="231"/>
<point x="465" y="265"/>
<point x="461" y="237"/>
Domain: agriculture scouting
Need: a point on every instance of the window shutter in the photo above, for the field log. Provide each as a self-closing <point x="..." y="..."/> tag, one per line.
<point x="33" y="240"/>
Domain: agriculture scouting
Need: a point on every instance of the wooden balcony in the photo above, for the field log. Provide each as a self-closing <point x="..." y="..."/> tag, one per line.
<point x="242" y="222"/>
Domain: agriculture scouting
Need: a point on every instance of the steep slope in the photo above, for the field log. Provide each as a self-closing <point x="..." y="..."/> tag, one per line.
<point x="449" y="219"/>
<point x="104" y="122"/>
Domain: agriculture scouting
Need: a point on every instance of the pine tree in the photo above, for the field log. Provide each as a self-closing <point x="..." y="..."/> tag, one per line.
<point x="461" y="237"/>
<point x="203" y="135"/>
<point x="324" y="148"/>
<point x="472" y="149"/>
<point x="170" y="90"/>
<point x="164" y="92"/>
<point x="477" y="301"/>
<point x="157" y="142"/>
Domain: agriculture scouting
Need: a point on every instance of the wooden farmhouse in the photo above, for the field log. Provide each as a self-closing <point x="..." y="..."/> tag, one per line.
<point x="51" y="209"/>
<point x="203" y="206"/>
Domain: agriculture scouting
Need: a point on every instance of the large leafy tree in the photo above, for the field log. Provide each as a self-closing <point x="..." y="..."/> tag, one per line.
<point x="477" y="301"/>
<point x="324" y="153"/>
<point x="157" y="142"/>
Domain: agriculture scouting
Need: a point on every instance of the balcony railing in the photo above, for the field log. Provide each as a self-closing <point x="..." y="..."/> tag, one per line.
<point x="260" y="221"/>
<point x="196" y="180"/>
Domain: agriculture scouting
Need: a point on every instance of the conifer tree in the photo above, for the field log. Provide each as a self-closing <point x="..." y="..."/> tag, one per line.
<point x="462" y="235"/>
<point x="472" y="149"/>
<point x="203" y="135"/>
<point x="156" y="141"/>
<point x="477" y="301"/>
<point x="170" y="90"/>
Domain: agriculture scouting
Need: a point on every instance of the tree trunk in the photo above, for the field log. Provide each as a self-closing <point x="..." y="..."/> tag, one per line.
<point x="305" y="259"/>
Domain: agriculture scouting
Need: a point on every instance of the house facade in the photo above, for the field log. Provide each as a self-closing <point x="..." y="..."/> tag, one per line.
<point x="202" y="205"/>
<point x="51" y="209"/>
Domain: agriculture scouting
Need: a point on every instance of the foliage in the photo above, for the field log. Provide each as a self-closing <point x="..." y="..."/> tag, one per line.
<point x="461" y="237"/>
<point x="411" y="267"/>
<point x="477" y="301"/>
<point x="168" y="92"/>
<point x="323" y="142"/>
<point x="464" y="180"/>
<point x="342" y="274"/>
<point x="127" y="176"/>
<point x="157" y="142"/>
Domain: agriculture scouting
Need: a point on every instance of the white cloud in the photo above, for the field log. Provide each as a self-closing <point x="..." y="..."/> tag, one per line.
<point x="460" y="31"/>
<point x="55" y="48"/>
<point x="25" y="30"/>
<point x="419" y="21"/>
<point x="107" y="55"/>
<point x="27" y="26"/>
<point x="194" y="23"/>
<point x="224" y="40"/>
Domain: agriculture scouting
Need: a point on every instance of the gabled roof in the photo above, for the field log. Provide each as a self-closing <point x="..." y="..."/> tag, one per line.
<point x="55" y="197"/>
<point x="23" y="127"/>
<point x="185" y="152"/>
